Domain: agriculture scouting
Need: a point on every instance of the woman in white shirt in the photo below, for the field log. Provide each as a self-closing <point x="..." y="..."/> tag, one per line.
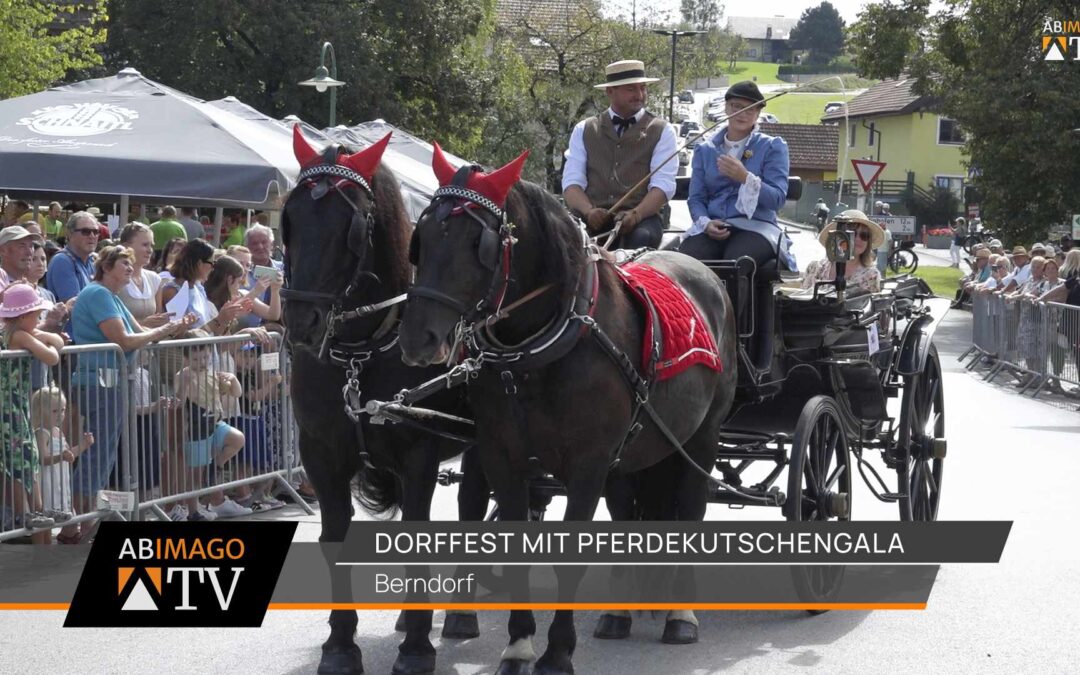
<point x="190" y="271"/>
<point x="142" y="295"/>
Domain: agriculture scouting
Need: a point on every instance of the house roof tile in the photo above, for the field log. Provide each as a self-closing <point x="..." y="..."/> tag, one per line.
<point x="888" y="97"/>
<point x="811" y="146"/>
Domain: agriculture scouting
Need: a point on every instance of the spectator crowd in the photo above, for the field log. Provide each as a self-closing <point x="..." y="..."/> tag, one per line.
<point x="203" y="410"/>
<point x="1034" y="332"/>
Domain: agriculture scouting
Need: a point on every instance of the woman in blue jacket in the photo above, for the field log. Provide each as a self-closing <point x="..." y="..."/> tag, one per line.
<point x="738" y="182"/>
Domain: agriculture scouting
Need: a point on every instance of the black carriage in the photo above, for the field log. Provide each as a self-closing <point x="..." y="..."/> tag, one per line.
<point x="816" y="372"/>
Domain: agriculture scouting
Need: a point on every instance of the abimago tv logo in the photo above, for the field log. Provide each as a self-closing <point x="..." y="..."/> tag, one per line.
<point x="179" y="574"/>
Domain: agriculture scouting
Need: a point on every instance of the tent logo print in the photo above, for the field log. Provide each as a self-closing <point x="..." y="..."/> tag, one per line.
<point x="79" y="119"/>
<point x="139" y="599"/>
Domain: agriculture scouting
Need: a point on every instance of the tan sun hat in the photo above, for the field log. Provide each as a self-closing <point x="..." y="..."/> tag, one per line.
<point x="1019" y="250"/>
<point x="625" y="72"/>
<point x="982" y="253"/>
<point x="877" y="235"/>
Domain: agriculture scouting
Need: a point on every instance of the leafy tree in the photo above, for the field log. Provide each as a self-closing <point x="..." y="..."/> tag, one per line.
<point x="554" y="66"/>
<point x="938" y="211"/>
<point x="701" y="14"/>
<point x="821" y="30"/>
<point x="40" y="43"/>
<point x="414" y="63"/>
<point x="982" y="61"/>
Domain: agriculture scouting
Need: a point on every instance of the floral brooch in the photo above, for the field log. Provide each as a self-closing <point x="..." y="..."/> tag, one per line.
<point x="747" y="155"/>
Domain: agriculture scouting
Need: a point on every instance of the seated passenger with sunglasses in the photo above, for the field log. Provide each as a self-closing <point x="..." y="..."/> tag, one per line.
<point x="861" y="272"/>
<point x="72" y="270"/>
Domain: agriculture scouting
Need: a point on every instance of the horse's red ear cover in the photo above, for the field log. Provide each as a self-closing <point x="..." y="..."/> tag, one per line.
<point x="367" y="160"/>
<point x="495" y="185"/>
<point x="305" y="154"/>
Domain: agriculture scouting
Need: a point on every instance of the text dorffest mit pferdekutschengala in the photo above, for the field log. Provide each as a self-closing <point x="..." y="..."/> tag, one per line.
<point x="604" y="544"/>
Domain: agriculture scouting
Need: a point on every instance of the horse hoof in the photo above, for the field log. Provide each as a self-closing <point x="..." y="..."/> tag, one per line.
<point x="514" y="667"/>
<point x="678" y="632"/>
<point x="553" y="666"/>
<point x="458" y="626"/>
<point x="611" y="627"/>
<point x="414" y="664"/>
<point x="341" y="660"/>
<point x="399" y="625"/>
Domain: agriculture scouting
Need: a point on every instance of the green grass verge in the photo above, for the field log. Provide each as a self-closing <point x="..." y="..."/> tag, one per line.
<point x="942" y="280"/>
<point x="796" y="108"/>
<point x="748" y="70"/>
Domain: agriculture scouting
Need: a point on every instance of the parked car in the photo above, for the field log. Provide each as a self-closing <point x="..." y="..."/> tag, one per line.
<point x="686" y="96"/>
<point x="688" y="126"/>
<point x="769" y="118"/>
<point x="833" y="106"/>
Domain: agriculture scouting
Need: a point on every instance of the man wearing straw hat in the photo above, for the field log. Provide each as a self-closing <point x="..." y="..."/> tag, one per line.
<point x="612" y="152"/>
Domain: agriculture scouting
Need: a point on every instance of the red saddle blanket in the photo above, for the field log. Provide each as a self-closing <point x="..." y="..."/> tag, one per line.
<point x="685" y="334"/>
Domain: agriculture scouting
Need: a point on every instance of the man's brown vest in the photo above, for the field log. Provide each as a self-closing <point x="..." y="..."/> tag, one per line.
<point x="613" y="164"/>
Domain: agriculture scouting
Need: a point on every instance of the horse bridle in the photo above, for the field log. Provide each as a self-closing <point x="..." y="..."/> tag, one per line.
<point x="494" y="250"/>
<point x="320" y="179"/>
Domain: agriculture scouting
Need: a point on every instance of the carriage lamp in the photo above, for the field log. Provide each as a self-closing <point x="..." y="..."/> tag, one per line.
<point x="326" y="79"/>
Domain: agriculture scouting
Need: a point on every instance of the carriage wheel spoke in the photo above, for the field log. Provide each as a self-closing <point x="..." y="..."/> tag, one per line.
<point x="835" y="476"/>
<point x="931" y="482"/>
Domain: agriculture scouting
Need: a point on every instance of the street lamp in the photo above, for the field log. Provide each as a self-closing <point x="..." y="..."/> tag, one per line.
<point x="324" y="79"/>
<point x="674" y="38"/>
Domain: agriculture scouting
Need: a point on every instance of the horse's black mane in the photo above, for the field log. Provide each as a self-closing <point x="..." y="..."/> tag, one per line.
<point x="393" y="228"/>
<point x="530" y="206"/>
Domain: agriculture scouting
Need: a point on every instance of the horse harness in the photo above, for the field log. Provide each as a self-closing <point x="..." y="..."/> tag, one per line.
<point x="476" y="346"/>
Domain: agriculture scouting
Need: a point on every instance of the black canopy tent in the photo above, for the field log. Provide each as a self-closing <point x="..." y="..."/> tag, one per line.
<point x="128" y="136"/>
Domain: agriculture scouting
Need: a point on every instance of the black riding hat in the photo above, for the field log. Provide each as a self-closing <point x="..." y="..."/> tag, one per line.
<point x="746" y="90"/>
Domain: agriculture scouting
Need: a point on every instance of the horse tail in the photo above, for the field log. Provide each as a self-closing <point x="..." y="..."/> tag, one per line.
<point x="378" y="491"/>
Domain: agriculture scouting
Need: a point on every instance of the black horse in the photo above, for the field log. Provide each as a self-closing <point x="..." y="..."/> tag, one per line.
<point x="346" y="234"/>
<point x="521" y="287"/>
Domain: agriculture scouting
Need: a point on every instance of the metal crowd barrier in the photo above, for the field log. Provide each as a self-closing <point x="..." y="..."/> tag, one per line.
<point x="1038" y="341"/>
<point x="143" y="434"/>
<point x="63" y="430"/>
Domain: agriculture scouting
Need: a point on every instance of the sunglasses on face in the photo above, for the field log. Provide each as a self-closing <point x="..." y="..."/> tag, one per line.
<point x="87" y="232"/>
<point x="864" y="235"/>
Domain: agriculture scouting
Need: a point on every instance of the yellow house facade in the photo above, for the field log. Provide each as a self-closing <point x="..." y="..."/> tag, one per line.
<point x="889" y="123"/>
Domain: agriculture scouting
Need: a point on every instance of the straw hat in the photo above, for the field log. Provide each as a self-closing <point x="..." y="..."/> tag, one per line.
<point x="1019" y="250"/>
<point x="851" y="216"/>
<point x="982" y="253"/>
<point x="625" y="72"/>
<point x="22" y="299"/>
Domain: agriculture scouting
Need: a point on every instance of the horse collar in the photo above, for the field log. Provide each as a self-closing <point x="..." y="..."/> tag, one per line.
<point x="553" y="341"/>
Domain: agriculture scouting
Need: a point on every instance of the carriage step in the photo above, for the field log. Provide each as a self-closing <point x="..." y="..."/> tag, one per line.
<point x="737" y="500"/>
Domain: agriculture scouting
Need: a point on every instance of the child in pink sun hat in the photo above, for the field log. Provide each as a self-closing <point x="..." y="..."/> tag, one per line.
<point x="19" y="462"/>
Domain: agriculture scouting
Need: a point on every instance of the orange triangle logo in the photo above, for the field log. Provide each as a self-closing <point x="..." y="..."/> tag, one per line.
<point x="155" y="578"/>
<point x="124" y="574"/>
